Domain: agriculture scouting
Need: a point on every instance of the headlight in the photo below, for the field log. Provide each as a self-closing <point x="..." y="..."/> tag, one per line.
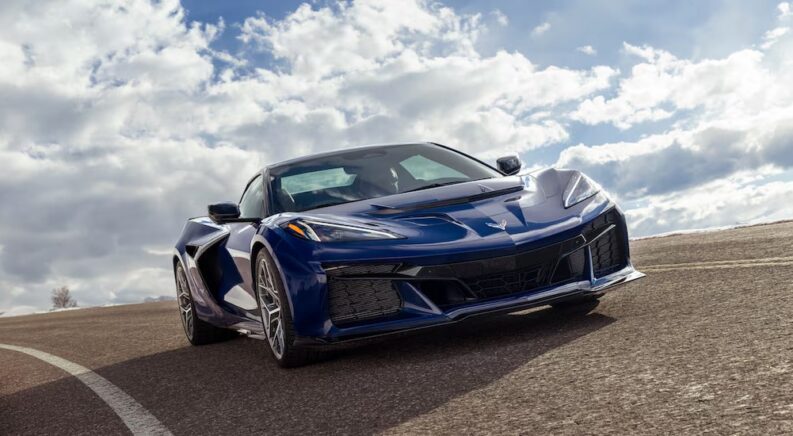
<point x="579" y="189"/>
<point x="321" y="231"/>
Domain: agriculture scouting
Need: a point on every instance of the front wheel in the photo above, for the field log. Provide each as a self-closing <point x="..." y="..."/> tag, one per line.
<point x="198" y="332"/>
<point x="276" y="314"/>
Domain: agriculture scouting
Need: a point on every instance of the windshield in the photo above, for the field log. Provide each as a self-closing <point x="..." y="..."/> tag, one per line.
<point x="370" y="173"/>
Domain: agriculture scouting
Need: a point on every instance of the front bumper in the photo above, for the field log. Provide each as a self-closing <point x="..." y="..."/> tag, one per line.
<point x="373" y="299"/>
<point x="511" y="304"/>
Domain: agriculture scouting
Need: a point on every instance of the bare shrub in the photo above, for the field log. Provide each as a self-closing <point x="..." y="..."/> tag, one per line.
<point x="62" y="298"/>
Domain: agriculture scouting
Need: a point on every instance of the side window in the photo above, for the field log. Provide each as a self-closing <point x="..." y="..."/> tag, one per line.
<point x="422" y="168"/>
<point x="252" y="203"/>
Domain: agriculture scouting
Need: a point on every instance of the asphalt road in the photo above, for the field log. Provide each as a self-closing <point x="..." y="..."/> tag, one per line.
<point x="703" y="344"/>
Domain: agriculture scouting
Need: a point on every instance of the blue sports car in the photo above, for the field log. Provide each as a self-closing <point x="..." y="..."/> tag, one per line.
<point x="376" y="240"/>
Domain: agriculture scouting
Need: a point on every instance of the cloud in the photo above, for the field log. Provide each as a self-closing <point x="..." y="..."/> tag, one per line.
<point x="726" y="118"/>
<point x="541" y="29"/>
<point x="720" y="203"/>
<point x="416" y="74"/>
<point x="357" y="36"/>
<point x="501" y="19"/>
<point x="772" y="36"/>
<point x="664" y="85"/>
<point x="587" y="50"/>
<point x="680" y="160"/>
<point x="784" y="10"/>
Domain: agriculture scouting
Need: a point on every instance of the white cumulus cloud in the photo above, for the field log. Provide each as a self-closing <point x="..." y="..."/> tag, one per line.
<point x="541" y="28"/>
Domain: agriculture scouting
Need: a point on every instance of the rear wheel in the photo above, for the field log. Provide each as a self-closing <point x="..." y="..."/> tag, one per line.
<point x="277" y="316"/>
<point x="198" y="332"/>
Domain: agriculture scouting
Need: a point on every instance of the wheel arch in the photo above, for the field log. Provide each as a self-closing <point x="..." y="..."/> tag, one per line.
<point x="257" y="247"/>
<point x="260" y="243"/>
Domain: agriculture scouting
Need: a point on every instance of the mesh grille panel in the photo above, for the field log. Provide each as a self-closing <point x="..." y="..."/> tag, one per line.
<point x="495" y="285"/>
<point x="357" y="300"/>
<point x="608" y="252"/>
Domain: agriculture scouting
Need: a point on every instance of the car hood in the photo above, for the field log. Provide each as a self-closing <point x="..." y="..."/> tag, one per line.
<point x="498" y="212"/>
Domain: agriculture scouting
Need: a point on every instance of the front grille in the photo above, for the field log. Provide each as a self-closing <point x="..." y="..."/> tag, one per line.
<point x="570" y="268"/>
<point x="523" y="272"/>
<point x="353" y="300"/>
<point x="608" y="251"/>
<point x="495" y="285"/>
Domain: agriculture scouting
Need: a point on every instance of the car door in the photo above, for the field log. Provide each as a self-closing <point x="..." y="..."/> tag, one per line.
<point x="241" y="296"/>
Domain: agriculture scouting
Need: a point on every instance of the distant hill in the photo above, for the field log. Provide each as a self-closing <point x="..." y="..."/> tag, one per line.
<point x="160" y="298"/>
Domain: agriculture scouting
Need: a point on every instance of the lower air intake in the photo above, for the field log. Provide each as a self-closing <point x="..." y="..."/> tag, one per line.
<point x="608" y="251"/>
<point x="496" y="285"/>
<point x="353" y="300"/>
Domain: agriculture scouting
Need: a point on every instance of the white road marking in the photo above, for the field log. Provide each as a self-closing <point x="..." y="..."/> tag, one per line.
<point x="721" y="264"/>
<point x="135" y="417"/>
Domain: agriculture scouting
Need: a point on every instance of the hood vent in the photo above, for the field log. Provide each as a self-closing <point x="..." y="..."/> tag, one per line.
<point x="385" y="210"/>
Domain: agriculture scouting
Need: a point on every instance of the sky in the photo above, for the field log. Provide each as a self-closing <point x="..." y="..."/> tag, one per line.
<point x="121" y="119"/>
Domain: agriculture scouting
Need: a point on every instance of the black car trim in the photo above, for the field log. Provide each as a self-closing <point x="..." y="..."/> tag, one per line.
<point x="444" y="203"/>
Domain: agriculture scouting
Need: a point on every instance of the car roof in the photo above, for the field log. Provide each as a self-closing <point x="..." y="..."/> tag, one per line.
<point x="341" y="151"/>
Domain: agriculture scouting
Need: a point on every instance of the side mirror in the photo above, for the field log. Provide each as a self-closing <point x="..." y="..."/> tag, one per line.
<point x="221" y="212"/>
<point x="509" y="165"/>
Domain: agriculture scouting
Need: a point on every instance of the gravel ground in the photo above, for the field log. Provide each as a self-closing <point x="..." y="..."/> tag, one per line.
<point x="703" y="344"/>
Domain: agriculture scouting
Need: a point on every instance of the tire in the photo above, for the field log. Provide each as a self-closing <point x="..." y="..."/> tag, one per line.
<point x="198" y="332"/>
<point x="276" y="315"/>
<point x="583" y="304"/>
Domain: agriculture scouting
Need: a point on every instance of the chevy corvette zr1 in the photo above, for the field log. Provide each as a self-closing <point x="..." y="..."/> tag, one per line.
<point x="383" y="239"/>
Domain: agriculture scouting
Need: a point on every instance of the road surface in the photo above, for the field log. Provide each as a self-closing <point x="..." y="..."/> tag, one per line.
<point x="703" y="344"/>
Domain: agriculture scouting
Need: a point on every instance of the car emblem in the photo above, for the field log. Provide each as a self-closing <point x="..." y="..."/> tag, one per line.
<point x="485" y="189"/>
<point x="501" y="226"/>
